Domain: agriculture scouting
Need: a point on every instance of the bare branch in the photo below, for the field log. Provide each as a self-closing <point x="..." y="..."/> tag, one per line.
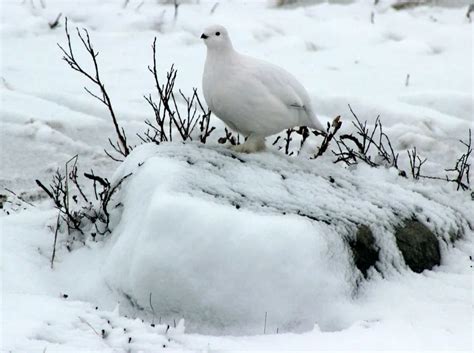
<point x="330" y="133"/>
<point x="124" y="148"/>
<point x="169" y="116"/>
<point x="55" y="23"/>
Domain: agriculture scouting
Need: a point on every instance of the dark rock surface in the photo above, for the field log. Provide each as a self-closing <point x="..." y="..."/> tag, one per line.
<point x="364" y="250"/>
<point x="418" y="245"/>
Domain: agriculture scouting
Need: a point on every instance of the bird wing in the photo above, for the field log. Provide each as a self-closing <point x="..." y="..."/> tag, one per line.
<point x="280" y="83"/>
<point x="285" y="88"/>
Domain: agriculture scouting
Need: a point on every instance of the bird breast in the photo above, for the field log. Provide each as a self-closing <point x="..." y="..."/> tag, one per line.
<point x="236" y="95"/>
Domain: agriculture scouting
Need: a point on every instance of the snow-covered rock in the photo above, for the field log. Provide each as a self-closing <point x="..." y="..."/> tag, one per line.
<point x="221" y="238"/>
<point x="46" y="118"/>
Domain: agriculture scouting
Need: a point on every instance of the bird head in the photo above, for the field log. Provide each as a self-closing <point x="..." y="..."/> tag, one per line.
<point x="216" y="37"/>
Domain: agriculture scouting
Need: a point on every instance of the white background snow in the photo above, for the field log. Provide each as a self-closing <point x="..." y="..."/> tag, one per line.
<point x="341" y="58"/>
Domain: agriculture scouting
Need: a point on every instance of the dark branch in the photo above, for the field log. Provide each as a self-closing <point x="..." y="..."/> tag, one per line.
<point x="104" y="98"/>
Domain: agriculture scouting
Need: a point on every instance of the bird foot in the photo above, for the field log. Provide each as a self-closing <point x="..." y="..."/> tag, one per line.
<point x="252" y="145"/>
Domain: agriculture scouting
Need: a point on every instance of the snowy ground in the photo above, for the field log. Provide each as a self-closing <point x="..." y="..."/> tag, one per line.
<point x="341" y="58"/>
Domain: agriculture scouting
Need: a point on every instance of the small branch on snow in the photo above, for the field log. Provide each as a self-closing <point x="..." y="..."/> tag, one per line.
<point x="168" y="115"/>
<point x="55" y="23"/>
<point x="19" y="197"/>
<point x="461" y="169"/>
<point x="84" y="216"/>
<point x="139" y="6"/>
<point x="363" y="141"/>
<point x="121" y="147"/>
<point x="407" y="4"/>
<point x="330" y="133"/>
<point x="415" y="163"/>
<point x="152" y="310"/>
<point x="470" y="9"/>
<point x="53" y="255"/>
<point x="88" y="324"/>
<point x="176" y="8"/>
<point x="229" y="137"/>
<point x="213" y="9"/>
<point x="265" y="324"/>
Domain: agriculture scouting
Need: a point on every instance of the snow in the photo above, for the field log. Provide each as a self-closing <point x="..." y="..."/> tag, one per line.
<point x="266" y="226"/>
<point x="405" y="311"/>
<point x="341" y="58"/>
<point x="215" y="251"/>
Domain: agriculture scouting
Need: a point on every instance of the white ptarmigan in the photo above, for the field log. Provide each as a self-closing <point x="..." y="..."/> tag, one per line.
<point x="251" y="96"/>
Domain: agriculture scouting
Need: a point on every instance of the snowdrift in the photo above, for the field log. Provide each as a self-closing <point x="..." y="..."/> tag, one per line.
<point x="220" y="238"/>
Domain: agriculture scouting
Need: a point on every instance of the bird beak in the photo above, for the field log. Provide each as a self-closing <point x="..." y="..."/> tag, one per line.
<point x="203" y="36"/>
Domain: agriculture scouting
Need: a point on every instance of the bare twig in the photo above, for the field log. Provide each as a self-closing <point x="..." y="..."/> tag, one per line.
<point x="139" y="6"/>
<point x="228" y="138"/>
<point x="58" y="194"/>
<point x="122" y="147"/>
<point x="169" y="116"/>
<point x="304" y="133"/>
<point x="176" y="7"/>
<point x="364" y="141"/>
<point x="470" y="9"/>
<point x="462" y="168"/>
<point x="288" y="140"/>
<point x="152" y="310"/>
<point x="330" y="133"/>
<point x="353" y="149"/>
<point x="105" y="196"/>
<point x="415" y="163"/>
<point x="407" y="4"/>
<point x="19" y="197"/>
<point x="265" y="324"/>
<point x="53" y="255"/>
<point x="55" y="23"/>
<point x="85" y="213"/>
<point x="88" y="324"/>
<point x="214" y="7"/>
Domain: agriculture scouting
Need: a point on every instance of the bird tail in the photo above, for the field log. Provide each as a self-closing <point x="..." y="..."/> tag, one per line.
<point x="315" y="123"/>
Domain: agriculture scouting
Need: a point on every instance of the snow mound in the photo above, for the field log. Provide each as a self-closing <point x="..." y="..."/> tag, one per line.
<point x="224" y="239"/>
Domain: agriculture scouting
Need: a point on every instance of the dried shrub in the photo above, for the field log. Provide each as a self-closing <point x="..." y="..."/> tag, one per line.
<point x="458" y="174"/>
<point x="359" y="147"/>
<point x="373" y="147"/>
<point x="286" y="140"/>
<point x="121" y="146"/>
<point x="168" y="115"/>
<point x="80" y="215"/>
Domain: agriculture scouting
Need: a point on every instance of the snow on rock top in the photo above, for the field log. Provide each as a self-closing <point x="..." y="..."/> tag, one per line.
<point x="220" y="238"/>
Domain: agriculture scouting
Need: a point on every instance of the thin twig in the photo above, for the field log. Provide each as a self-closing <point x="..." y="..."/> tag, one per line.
<point x="123" y="147"/>
<point x="55" y="23"/>
<point x="19" y="197"/>
<point x="53" y="255"/>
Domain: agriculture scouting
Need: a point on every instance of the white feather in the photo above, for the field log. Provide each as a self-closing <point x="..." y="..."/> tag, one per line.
<point x="253" y="97"/>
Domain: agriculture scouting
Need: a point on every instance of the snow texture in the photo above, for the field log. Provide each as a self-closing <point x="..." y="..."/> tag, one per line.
<point x="220" y="239"/>
<point x="350" y="52"/>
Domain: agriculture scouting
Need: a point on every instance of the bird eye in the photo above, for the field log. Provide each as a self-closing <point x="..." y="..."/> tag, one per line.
<point x="218" y="33"/>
